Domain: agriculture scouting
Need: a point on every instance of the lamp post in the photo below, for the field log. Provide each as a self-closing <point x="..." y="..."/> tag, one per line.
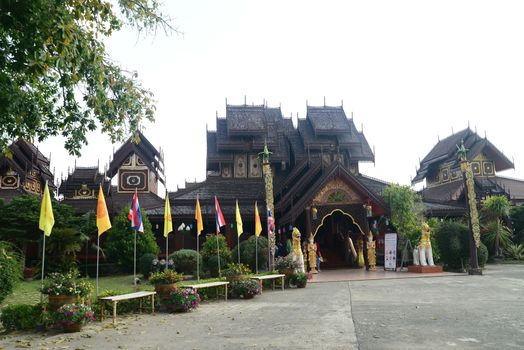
<point x="471" y="206"/>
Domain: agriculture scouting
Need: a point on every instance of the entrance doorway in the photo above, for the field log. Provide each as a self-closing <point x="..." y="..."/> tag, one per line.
<point x="332" y="238"/>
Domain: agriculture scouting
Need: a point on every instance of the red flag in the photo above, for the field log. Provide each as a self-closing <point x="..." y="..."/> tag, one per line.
<point x="219" y="217"/>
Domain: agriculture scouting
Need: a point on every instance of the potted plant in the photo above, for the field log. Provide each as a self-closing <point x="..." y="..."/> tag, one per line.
<point x="299" y="279"/>
<point x="235" y="272"/>
<point x="165" y="281"/>
<point x="182" y="300"/>
<point x="286" y="265"/>
<point x="246" y="289"/>
<point x="29" y="272"/>
<point x="73" y="316"/>
<point x="63" y="288"/>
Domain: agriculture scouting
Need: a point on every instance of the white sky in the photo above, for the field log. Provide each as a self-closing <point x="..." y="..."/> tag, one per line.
<point x="410" y="71"/>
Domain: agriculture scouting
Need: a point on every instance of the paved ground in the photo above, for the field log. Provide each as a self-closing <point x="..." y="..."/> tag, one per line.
<point x="418" y="313"/>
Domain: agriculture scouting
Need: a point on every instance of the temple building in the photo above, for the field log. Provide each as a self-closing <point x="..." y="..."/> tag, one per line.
<point x="24" y="170"/>
<point x="317" y="184"/>
<point x="137" y="164"/>
<point x="444" y="190"/>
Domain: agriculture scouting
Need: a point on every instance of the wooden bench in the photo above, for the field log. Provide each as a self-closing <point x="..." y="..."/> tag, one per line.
<point x="209" y="285"/>
<point x="116" y="298"/>
<point x="260" y="279"/>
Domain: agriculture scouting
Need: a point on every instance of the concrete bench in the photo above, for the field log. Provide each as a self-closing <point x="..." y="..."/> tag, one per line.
<point x="209" y="285"/>
<point x="274" y="277"/>
<point x="116" y="298"/>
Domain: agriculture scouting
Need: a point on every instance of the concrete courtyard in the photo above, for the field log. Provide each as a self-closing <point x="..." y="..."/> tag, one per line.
<point x="455" y="312"/>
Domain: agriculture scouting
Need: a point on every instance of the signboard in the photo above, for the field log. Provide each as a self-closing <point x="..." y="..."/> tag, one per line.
<point x="390" y="251"/>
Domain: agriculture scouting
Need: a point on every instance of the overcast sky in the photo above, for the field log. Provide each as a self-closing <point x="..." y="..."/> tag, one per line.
<point x="409" y="71"/>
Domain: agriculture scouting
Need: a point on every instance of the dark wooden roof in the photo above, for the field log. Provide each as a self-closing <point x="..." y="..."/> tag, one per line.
<point x="116" y="201"/>
<point x="246" y="121"/>
<point x="145" y="150"/>
<point x="328" y="120"/>
<point x="89" y="176"/>
<point x="446" y="151"/>
<point x="26" y="157"/>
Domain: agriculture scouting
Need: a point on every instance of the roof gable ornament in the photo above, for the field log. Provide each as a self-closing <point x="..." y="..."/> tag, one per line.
<point x="462" y="151"/>
<point x="265" y="153"/>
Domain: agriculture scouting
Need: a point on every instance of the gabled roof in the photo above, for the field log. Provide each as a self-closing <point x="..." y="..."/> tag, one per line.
<point x="446" y="151"/>
<point x="328" y="120"/>
<point x="245" y="121"/>
<point x="89" y="176"/>
<point x="26" y="157"/>
<point x="144" y="149"/>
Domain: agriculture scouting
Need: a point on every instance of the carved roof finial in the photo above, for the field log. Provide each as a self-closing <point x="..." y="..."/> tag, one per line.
<point x="462" y="151"/>
<point x="265" y="154"/>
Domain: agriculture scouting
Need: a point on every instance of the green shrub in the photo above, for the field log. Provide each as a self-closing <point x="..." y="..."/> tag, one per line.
<point x="120" y="241"/>
<point x="10" y="269"/>
<point x="209" y="253"/>
<point x="246" y="288"/>
<point x="234" y="269"/>
<point x="144" y="264"/>
<point x="514" y="251"/>
<point x="185" y="261"/>
<point x="165" y="277"/>
<point x="452" y="240"/>
<point x="21" y="316"/>
<point x="516" y="215"/>
<point x="211" y="265"/>
<point x="248" y="251"/>
<point x="482" y="254"/>
<point x="299" y="279"/>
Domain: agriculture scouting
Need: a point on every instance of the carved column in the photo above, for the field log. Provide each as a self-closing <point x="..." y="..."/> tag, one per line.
<point x="268" y="182"/>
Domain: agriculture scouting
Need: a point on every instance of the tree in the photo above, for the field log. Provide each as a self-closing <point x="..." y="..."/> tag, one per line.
<point x="407" y="210"/>
<point x="56" y="76"/>
<point x="497" y="209"/>
<point x="119" y="245"/>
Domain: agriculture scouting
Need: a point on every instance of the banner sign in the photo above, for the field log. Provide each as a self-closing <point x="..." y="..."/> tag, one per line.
<point x="390" y="251"/>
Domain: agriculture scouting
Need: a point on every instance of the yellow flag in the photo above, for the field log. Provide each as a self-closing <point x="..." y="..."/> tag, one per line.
<point x="258" y="225"/>
<point x="102" y="216"/>
<point x="168" y="221"/>
<point x="240" y="228"/>
<point x="198" y="217"/>
<point x="47" y="219"/>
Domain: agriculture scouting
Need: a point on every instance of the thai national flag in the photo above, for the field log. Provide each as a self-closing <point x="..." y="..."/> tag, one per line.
<point x="219" y="217"/>
<point x="270" y="221"/>
<point x="135" y="216"/>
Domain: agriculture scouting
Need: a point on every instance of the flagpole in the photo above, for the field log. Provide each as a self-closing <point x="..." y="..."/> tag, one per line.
<point x="238" y="246"/>
<point x="256" y="253"/>
<point x="198" y="256"/>
<point x="167" y="249"/>
<point x="134" y="264"/>
<point x="218" y="253"/>
<point x="43" y="268"/>
<point x="97" y="263"/>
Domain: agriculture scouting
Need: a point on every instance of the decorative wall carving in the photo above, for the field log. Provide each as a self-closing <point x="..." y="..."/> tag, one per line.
<point x="336" y="191"/>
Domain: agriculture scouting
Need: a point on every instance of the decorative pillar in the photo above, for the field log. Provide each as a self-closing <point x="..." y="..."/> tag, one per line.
<point x="270" y="207"/>
<point x="471" y="205"/>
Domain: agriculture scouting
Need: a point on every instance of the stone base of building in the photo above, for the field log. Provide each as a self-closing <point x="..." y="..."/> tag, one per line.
<point x="425" y="269"/>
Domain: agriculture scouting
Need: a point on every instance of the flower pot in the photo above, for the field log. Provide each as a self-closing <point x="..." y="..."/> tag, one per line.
<point x="287" y="271"/>
<point x="301" y="285"/>
<point x="72" y="328"/>
<point x="248" y="296"/>
<point x="29" y="272"/>
<point x="56" y="301"/>
<point x="163" y="290"/>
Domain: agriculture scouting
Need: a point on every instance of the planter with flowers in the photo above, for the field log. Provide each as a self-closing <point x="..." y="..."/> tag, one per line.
<point x="72" y="316"/>
<point x="64" y="288"/>
<point x="299" y="279"/>
<point x="182" y="300"/>
<point x="235" y="272"/>
<point x="286" y="265"/>
<point x="245" y="289"/>
<point x="165" y="281"/>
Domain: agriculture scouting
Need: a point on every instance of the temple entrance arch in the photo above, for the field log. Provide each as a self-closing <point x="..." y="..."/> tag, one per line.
<point x="332" y="236"/>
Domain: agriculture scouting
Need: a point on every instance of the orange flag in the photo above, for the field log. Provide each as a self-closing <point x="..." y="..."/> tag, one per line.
<point x="258" y="224"/>
<point x="198" y="218"/>
<point x="102" y="216"/>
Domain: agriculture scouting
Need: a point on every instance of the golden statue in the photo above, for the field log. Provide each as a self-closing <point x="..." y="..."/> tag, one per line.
<point x="372" y="255"/>
<point x="360" y="249"/>
<point x="296" y="252"/>
<point x="312" y="254"/>
<point x="423" y="253"/>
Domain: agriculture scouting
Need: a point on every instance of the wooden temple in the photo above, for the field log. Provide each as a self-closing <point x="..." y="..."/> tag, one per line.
<point x="317" y="184"/>
<point x="443" y="194"/>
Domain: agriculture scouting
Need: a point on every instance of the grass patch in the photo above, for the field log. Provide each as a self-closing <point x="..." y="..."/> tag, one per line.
<point x="27" y="292"/>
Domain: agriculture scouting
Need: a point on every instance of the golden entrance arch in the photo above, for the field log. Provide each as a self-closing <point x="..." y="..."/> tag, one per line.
<point x="343" y="213"/>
